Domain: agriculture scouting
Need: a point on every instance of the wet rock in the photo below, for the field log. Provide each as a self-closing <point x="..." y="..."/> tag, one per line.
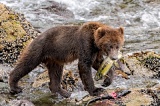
<point x="45" y="100"/>
<point x="129" y="4"/>
<point x="150" y="1"/>
<point x="145" y="63"/>
<point x="154" y="94"/>
<point x="77" y="96"/>
<point x="4" y="91"/>
<point x="70" y="80"/>
<point x="4" y="71"/>
<point x="137" y="99"/>
<point x="60" y="9"/>
<point x="20" y="103"/>
<point x="122" y="74"/>
<point x="3" y="85"/>
<point x="15" y="34"/>
<point x="41" y="79"/>
<point x="134" y="98"/>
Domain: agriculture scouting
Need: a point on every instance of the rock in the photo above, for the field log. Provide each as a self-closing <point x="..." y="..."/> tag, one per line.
<point x="129" y="4"/>
<point x="134" y="98"/>
<point x="145" y="63"/>
<point x="4" y="71"/>
<point x="79" y="95"/>
<point x="122" y="74"/>
<point x="69" y="80"/>
<point x="4" y="94"/>
<point x="15" y="34"/>
<point x="60" y="9"/>
<point x="3" y="85"/>
<point x="150" y="1"/>
<point x="20" y="103"/>
<point x="41" y="79"/>
<point x="3" y="77"/>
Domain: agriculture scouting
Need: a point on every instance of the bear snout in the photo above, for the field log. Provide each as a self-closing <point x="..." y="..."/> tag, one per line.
<point x="114" y="58"/>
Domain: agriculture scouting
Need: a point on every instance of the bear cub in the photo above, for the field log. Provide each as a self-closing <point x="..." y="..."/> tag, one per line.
<point x="62" y="44"/>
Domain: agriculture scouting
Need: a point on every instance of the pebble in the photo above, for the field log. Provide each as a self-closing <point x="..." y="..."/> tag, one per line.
<point x="20" y="103"/>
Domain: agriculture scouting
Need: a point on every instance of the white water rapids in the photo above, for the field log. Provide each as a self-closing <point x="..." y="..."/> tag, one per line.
<point x="140" y="18"/>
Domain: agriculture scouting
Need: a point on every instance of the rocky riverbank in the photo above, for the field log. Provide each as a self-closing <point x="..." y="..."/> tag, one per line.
<point x="141" y="74"/>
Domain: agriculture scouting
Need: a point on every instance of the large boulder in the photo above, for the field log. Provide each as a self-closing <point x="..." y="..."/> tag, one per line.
<point x="15" y="33"/>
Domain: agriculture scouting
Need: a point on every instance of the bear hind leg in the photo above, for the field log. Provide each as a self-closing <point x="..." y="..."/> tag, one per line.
<point x="55" y="72"/>
<point x="25" y="65"/>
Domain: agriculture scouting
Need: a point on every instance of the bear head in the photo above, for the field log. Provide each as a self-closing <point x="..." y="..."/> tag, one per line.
<point x="109" y="40"/>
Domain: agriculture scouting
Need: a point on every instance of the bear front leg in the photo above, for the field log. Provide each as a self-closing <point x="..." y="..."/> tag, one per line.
<point x="55" y="72"/>
<point x="87" y="80"/>
<point x="109" y="78"/>
<point x="98" y="61"/>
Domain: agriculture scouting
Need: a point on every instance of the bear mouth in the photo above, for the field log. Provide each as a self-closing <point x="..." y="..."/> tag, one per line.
<point x="105" y="53"/>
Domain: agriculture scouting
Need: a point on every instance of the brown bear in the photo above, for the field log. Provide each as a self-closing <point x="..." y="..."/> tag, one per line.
<point x="59" y="45"/>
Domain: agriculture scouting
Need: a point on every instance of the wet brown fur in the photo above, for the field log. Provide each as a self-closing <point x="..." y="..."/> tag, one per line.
<point x="63" y="44"/>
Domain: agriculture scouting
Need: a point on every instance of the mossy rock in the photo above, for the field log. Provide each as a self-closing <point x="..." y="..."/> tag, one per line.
<point x="15" y="34"/>
<point x="145" y="63"/>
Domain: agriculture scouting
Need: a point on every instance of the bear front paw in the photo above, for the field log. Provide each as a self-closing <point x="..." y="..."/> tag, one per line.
<point x="15" y="90"/>
<point x="97" y="92"/>
<point x="64" y="93"/>
<point x="107" y="82"/>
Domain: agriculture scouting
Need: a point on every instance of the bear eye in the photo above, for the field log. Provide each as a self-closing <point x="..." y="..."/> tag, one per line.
<point x="117" y="47"/>
<point x="111" y="47"/>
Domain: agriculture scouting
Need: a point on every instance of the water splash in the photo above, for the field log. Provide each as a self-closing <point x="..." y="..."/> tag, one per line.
<point x="80" y="8"/>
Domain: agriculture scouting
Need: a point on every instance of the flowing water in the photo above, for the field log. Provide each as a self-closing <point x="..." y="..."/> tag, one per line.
<point x="140" y="18"/>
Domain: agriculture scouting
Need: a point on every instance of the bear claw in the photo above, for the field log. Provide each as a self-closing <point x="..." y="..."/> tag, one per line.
<point x="15" y="90"/>
<point x="64" y="93"/>
<point x="98" y="91"/>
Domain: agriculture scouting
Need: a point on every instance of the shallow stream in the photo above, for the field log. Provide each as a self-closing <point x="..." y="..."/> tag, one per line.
<point x="140" y="18"/>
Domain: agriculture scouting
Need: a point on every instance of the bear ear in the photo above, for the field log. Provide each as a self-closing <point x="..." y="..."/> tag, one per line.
<point x="101" y="32"/>
<point x="121" y="30"/>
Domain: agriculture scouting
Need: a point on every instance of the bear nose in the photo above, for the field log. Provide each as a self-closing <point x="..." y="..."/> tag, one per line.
<point x="113" y="58"/>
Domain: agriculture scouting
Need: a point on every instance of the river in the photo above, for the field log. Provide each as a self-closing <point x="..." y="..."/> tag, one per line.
<point x="140" y="18"/>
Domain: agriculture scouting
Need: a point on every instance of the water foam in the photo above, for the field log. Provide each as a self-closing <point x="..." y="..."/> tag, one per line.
<point x="80" y="8"/>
